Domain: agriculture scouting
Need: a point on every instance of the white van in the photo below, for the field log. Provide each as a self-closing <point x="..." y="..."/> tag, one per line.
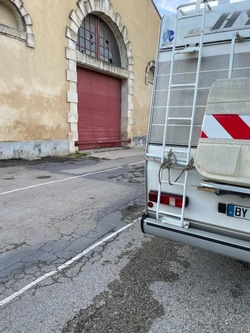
<point x="198" y="148"/>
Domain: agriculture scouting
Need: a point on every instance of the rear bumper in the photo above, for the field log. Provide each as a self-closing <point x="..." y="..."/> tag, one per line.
<point x="235" y="248"/>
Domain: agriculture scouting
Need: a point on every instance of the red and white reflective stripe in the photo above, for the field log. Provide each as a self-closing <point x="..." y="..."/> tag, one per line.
<point x="226" y="126"/>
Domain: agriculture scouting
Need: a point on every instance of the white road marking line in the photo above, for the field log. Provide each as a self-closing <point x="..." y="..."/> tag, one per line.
<point x="65" y="265"/>
<point x="59" y="180"/>
<point x="136" y="163"/>
<point x="65" y="179"/>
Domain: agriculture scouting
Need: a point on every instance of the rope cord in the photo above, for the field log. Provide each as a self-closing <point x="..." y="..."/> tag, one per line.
<point x="171" y="163"/>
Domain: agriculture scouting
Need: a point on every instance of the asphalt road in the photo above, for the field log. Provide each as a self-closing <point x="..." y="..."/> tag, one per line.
<point x="73" y="258"/>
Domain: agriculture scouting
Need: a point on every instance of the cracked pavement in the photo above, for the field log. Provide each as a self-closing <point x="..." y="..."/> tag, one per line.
<point x="43" y="227"/>
<point x="52" y="211"/>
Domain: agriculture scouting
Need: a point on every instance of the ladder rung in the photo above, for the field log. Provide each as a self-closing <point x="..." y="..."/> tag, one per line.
<point x="173" y="183"/>
<point x="170" y="214"/>
<point x="160" y="125"/>
<point x="184" y="16"/>
<point x="175" y="220"/>
<point x="153" y="156"/>
<point x="158" y="156"/>
<point x="180" y="118"/>
<point x="161" y="90"/>
<point x="190" y="49"/>
<point x="180" y="85"/>
<point x="176" y="151"/>
<point x="181" y="162"/>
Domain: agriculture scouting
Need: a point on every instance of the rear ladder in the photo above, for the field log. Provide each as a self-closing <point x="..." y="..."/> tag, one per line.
<point x="180" y="158"/>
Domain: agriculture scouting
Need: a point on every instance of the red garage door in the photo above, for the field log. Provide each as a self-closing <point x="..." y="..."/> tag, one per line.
<point x="99" y="110"/>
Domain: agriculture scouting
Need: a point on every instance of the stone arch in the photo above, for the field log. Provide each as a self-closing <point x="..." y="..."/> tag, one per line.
<point x="19" y="24"/>
<point x="104" y="9"/>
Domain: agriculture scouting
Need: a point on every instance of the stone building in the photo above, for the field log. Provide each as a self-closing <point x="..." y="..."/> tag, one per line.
<point x="75" y="75"/>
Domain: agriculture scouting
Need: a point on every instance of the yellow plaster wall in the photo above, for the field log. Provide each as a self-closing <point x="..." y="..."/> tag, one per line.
<point x="33" y="85"/>
<point x="143" y="23"/>
<point x="32" y="81"/>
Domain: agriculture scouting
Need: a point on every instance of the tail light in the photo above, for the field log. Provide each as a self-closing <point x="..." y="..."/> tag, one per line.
<point x="166" y="199"/>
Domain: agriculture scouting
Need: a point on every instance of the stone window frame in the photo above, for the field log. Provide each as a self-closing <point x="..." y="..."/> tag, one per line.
<point x="149" y="68"/>
<point x="25" y="24"/>
<point x="103" y="9"/>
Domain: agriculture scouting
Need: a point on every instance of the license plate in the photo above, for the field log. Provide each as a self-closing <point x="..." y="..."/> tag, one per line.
<point x="240" y="212"/>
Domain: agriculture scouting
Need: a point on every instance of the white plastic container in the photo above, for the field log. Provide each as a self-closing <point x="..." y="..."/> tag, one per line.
<point x="223" y="152"/>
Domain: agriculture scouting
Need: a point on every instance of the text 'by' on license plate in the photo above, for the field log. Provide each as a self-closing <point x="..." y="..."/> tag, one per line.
<point x="240" y="212"/>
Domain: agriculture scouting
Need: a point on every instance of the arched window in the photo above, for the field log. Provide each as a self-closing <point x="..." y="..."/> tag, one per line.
<point x="96" y="39"/>
<point x="150" y="72"/>
<point x="15" y="22"/>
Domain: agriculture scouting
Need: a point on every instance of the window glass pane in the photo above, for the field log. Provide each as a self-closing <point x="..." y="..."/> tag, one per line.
<point x="87" y="34"/>
<point x="82" y="43"/>
<point x="101" y="51"/>
<point x="87" y="43"/>
<point x="86" y="24"/>
<point x="92" y="28"/>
